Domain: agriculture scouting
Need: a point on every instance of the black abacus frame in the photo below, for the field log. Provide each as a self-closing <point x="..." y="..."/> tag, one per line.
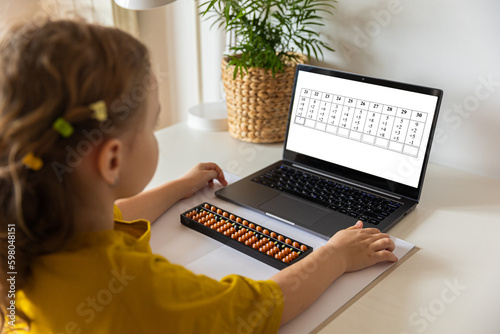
<point x="240" y="246"/>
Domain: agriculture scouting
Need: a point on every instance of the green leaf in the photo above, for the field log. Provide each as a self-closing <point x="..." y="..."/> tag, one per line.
<point x="267" y="30"/>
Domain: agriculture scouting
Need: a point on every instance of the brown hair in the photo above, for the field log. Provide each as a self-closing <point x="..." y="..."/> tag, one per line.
<point x="47" y="71"/>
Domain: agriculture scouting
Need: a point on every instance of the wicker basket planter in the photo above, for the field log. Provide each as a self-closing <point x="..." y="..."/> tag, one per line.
<point x="258" y="103"/>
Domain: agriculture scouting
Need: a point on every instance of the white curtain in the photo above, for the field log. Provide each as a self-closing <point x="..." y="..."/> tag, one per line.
<point x="186" y="57"/>
<point x="186" y="52"/>
<point x="104" y="12"/>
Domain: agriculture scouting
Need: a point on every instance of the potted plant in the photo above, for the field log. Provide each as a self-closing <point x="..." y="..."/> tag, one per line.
<point x="269" y="38"/>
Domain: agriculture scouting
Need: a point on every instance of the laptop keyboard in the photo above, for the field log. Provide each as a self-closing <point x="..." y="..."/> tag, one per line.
<point x="338" y="197"/>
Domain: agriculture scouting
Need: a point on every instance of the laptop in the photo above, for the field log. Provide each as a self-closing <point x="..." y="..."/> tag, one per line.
<point x="356" y="148"/>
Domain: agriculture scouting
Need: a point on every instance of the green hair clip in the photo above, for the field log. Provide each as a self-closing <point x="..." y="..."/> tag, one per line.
<point x="63" y="127"/>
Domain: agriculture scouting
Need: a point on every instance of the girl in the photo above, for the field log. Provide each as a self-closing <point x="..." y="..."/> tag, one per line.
<point x="78" y="106"/>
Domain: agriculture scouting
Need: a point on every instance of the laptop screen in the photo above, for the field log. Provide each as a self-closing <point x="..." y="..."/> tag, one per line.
<point x="372" y="126"/>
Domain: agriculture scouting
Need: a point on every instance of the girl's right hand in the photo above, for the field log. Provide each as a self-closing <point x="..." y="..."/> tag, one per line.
<point x="360" y="248"/>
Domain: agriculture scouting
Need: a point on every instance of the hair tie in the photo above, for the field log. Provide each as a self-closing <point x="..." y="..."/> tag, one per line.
<point x="63" y="127"/>
<point x="32" y="162"/>
<point x="100" y="111"/>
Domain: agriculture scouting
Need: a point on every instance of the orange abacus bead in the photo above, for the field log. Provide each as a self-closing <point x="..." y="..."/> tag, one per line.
<point x="303" y="248"/>
<point x="219" y="211"/>
<point x="273" y="235"/>
<point x="295" y="244"/>
<point x="213" y="208"/>
<point x="238" y="220"/>
<point x="258" y="228"/>
<point x="288" y="241"/>
<point x="245" y="223"/>
<point x="252" y="225"/>
<point x="232" y="217"/>
<point x="266" y="232"/>
<point x="281" y="238"/>
<point x="207" y="206"/>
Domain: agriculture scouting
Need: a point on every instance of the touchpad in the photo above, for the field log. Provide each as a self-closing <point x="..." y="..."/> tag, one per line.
<point x="294" y="210"/>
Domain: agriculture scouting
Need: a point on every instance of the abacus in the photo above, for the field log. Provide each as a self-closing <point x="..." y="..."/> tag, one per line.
<point x="263" y="244"/>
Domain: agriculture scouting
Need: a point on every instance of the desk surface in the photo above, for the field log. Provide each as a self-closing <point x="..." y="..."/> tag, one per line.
<point x="449" y="286"/>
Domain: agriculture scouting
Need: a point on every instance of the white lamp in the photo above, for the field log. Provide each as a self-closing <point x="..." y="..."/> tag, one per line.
<point x="142" y="4"/>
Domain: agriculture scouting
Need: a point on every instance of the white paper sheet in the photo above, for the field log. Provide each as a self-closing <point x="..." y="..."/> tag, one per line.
<point x="203" y="255"/>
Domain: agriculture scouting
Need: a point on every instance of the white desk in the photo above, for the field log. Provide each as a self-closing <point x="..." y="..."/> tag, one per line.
<point x="451" y="285"/>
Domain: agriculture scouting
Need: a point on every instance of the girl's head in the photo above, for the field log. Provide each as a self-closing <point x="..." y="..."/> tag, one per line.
<point x="51" y="72"/>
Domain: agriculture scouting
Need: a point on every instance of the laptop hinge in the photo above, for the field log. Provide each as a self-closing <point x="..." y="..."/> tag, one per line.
<point x="348" y="182"/>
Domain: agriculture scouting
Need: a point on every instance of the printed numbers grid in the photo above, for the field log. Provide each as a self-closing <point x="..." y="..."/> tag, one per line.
<point x="390" y="127"/>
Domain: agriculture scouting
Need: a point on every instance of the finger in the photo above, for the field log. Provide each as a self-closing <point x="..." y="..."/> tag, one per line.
<point x="220" y="177"/>
<point x="384" y="244"/>
<point x="219" y="173"/>
<point x="358" y="225"/>
<point x="386" y="255"/>
<point x="372" y="230"/>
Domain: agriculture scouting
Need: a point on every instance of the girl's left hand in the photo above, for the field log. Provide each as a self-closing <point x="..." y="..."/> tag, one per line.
<point x="201" y="175"/>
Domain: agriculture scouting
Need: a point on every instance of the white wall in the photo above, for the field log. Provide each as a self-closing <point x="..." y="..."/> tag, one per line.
<point x="452" y="45"/>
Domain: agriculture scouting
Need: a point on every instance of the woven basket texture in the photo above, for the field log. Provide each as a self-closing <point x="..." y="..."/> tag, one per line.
<point x="257" y="102"/>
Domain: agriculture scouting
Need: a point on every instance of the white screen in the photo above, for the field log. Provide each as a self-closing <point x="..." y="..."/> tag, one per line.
<point x="373" y="129"/>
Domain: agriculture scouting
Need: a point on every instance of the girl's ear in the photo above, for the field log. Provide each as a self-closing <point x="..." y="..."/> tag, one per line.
<point x="109" y="160"/>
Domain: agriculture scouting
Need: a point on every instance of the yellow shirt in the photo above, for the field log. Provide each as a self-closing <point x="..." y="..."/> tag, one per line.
<point x="109" y="282"/>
